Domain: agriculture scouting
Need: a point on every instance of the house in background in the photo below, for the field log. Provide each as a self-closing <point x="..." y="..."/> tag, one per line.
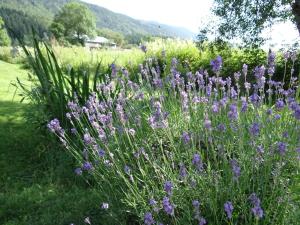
<point x="99" y="42"/>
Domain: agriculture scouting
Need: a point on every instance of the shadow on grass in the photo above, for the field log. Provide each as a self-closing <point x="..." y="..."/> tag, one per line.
<point x="37" y="183"/>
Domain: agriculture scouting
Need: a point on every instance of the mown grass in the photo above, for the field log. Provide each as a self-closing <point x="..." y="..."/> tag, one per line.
<point x="37" y="183"/>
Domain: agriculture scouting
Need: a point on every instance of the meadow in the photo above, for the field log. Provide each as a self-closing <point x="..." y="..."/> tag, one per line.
<point x="154" y="140"/>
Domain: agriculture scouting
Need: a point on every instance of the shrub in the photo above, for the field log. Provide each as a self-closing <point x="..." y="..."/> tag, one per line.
<point x="189" y="148"/>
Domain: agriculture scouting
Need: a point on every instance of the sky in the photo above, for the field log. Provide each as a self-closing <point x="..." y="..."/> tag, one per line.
<point x="190" y="14"/>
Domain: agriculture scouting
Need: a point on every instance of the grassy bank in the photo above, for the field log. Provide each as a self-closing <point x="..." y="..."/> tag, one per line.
<point x="38" y="185"/>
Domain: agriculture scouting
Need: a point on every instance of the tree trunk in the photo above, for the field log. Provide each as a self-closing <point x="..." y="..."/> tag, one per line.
<point x="296" y="12"/>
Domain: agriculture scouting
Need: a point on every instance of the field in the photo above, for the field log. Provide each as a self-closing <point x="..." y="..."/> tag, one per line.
<point x="154" y="143"/>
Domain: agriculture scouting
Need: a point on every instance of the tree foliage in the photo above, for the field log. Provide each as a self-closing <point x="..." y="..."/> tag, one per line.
<point x="112" y="35"/>
<point x="19" y="25"/>
<point x="246" y="19"/>
<point x="73" y="20"/>
<point x="4" y="38"/>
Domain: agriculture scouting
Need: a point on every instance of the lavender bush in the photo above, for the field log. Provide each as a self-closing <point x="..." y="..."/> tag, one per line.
<point x="190" y="148"/>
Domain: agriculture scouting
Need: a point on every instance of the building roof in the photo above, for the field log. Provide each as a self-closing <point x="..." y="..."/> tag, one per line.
<point x="98" y="39"/>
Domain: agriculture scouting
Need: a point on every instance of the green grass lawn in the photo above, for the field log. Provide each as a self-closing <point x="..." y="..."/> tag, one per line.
<point x="37" y="183"/>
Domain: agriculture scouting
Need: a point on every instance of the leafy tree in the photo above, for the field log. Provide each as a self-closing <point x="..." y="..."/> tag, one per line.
<point x="4" y="38"/>
<point x="73" y="20"/>
<point x="112" y="35"/>
<point x="247" y="19"/>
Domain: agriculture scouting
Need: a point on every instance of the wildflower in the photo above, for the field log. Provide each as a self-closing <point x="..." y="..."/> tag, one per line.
<point x="279" y="104"/>
<point x="101" y="152"/>
<point x="54" y="127"/>
<point x="228" y="207"/>
<point x="277" y="116"/>
<point x="221" y="127"/>
<point x="127" y="169"/>
<point x="148" y="219"/>
<point x="87" y="166"/>
<point x="286" y="56"/>
<point x="257" y="211"/>
<point x="237" y="76"/>
<point x="254" y="129"/>
<point x="168" y="207"/>
<point x="254" y="199"/>
<point x="260" y="149"/>
<point x="87" y="139"/>
<point x="168" y="186"/>
<point x="216" y="64"/>
<point x="233" y="113"/>
<point x="207" y="124"/>
<point x="196" y="204"/>
<point x="185" y="137"/>
<point x="281" y="147"/>
<point x="247" y="86"/>
<point x="104" y="205"/>
<point x="235" y="169"/>
<point x="78" y="171"/>
<point x="202" y="221"/>
<point x="244" y="104"/>
<point x="215" y="107"/>
<point x="197" y="162"/>
<point x="182" y="170"/>
<point x="144" y="48"/>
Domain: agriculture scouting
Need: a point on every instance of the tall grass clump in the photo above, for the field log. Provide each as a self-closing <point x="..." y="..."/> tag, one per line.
<point x="189" y="148"/>
<point x="55" y="86"/>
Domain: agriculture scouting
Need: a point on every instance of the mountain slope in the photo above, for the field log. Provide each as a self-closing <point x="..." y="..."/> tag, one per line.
<point x="44" y="10"/>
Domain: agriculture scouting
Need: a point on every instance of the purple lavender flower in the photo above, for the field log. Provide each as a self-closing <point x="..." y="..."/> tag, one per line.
<point x="269" y="111"/>
<point x="286" y="56"/>
<point x="215" y="107"/>
<point x="54" y="127"/>
<point x="237" y="76"/>
<point x="254" y="199"/>
<point x="87" y="139"/>
<point x="281" y="147"/>
<point x="260" y="149"/>
<point x="78" y="171"/>
<point x="186" y="137"/>
<point x="127" y="169"/>
<point x="257" y="211"/>
<point x="101" y="152"/>
<point x="148" y="219"/>
<point x="197" y="162"/>
<point x="207" y="124"/>
<point x="221" y="127"/>
<point x="87" y="166"/>
<point x="254" y="129"/>
<point x="202" y="221"/>
<point x="168" y="207"/>
<point x="280" y="104"/>
<point x="216" y="64"/>
<point x="196" y="204"/>
<point x="228" y="207"/>
<point x="182" y="170"/>
<point x="259" y="72"/>
<point x="144" y="48"/>
<point x="168" y="186"/>
<point x="244" y="104"/>
<point x="235" y="169"/>
<point x="233" y="113"/>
